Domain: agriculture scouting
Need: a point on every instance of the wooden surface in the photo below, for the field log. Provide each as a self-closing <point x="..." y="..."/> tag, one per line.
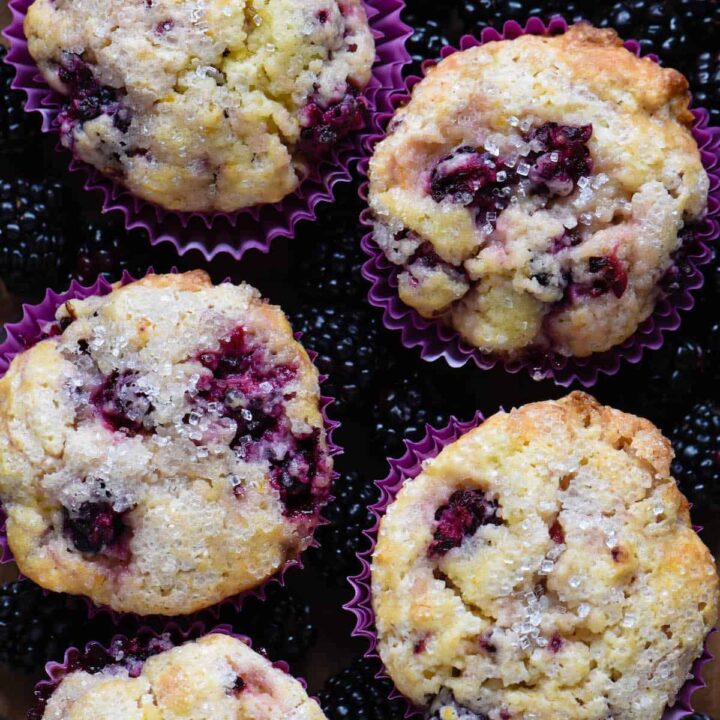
<point x="334" y="648"/>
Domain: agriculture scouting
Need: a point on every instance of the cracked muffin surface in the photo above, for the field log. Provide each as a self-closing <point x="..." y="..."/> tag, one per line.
<point x="217" y="677"/>
<point x="534" y="192"/>
<point x="211" y="106"/>
<point x="544" y="566"/>
<point x="164" y="449"/>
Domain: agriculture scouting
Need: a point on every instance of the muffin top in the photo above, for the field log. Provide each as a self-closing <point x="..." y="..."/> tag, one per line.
<point x="544" y="566"/>
<point x="210" y="106"/>
<point x="216" y="677"/>
<point x="166" y="450"/>
<point x="533" y="191"/>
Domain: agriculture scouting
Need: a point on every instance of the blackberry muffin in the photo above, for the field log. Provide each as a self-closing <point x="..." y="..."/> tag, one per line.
<point x="544" y="565"/>
<point x="165" y="450"/>
<point x="532" y="191"/>
<point x="217" y="676"/>
<point x="211" y="106"/>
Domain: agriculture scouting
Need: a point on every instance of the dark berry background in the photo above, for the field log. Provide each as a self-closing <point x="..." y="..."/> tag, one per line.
<point x="51" y="230"/>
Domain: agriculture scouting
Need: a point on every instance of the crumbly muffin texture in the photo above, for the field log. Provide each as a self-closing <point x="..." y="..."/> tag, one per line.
<point x="204" y="106"/>
<point x="216" y="677"/>
<point x="164" y="451"/>
<point x="532" y="192"/>
<point x="544" y="567"/>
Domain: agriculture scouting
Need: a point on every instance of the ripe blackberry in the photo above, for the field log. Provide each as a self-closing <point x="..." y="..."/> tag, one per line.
<point x="18" y="129"/>
<point x="331" y="260"/>
<point x="670" y="378"/>
<point x="705" y="83"/>
<point x="696" y="441"/>
<point x="280" y="625"/>
<point x="36" y="628"/>
<point x="347" y="341"/>
<point x="673" y="29"/>
<point x="356" y="693"/>
<point x="348" y="516"/>
<point x="107" y="248"/>
<point x="33" y="240"/>
<point x="408" y="403"/>
<point x="428" y="39"/>
<point x="699" y="716"/>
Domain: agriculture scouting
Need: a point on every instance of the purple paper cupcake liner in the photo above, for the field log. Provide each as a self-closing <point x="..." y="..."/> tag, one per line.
<point x="408" y="467"/>
<point x="246" y="229"/>
<point x="36" y="324"/>
<point x="436" y="340"/>
<point x="143" y="639"/>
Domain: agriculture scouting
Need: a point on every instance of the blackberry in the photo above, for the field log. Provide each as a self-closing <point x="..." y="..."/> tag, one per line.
<point x="331" y="262"/>
<point x="696" y="441"/>
<point x="673" y="29"/>
<point x="18" y="129"/>
<point x="705" y="83"/>
<point x="406" y="405"/>
<point x="107" y="248"/>
<point x="280" y="626"/>
<point x="36" y="628"/>
<point x="428" y="39"/>
<point x="464" y="512"/>
<point x="33" y="240"/>
<point x="347" y="341"/>
<point x="348" y="516"/>
<point x="670" y="378"/>
<point x="356" y="693"/>
<point x="699" y="716"/>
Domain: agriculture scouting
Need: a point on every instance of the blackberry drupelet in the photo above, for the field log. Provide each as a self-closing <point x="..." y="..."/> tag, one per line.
<point x="705" y="83"/>
<point x="36" y="628"/>
<point x="696" y="441"/>
<point x="478" y="14"/>
<point x="18" y="129"/>
<point x="107" y="248"/>
<point x="348" y="516"/>
<point x="34" y="247"/>
<point x="673" y="29"/>
<point x="356" y="693"/>
<point x="331" y="256"/>
<point x="405" y="405"/>
<point x="676" y="30"/>
<point x="348" y="344"/>
<point x="280" y="625"/>
<point x="428" y="39"/>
